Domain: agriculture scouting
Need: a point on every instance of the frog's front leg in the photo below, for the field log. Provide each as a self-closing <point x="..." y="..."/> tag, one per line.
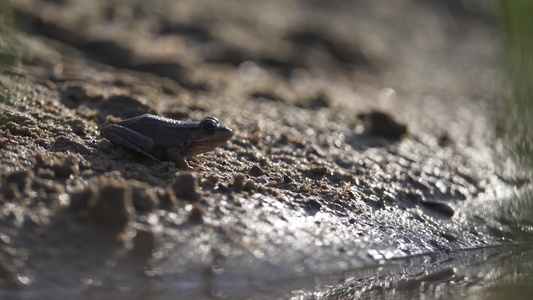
<point x="130" y="139"/>
<point x="175" y="156"/>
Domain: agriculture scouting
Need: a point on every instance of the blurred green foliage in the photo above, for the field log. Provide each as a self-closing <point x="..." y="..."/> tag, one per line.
<point x="7" y="58"/>
<point x="6" y="54"/>
<point x="517" y="19"/>
<point x="6" y="22"/>
<point x="517" y="22"/>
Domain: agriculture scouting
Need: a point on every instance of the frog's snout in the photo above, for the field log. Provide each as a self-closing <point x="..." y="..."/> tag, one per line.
<point x="224" y="132"/>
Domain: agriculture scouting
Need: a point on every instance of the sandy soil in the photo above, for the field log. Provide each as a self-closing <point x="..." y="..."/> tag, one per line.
<point x="364" y="133"/>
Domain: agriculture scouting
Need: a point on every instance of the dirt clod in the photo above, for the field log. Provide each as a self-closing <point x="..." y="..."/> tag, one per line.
<point x="79" y="199"/>
<point x="61" y="165"/>
<point x="21" y="178"/>
<point x="185" y="186"/>
<point x="12" y="191"/>
<point x="145" y="242"/>
<point x="213" y="178"/>
<point x="239" y="180"/>
<point x="144" y="198"/>
<point x="167" y="199"/>
<point x="249" y="186"/>
<point x="319" y="101"/>
<point x="382" y="124"/>
<point x="196" y="214"/>
<point x="113" y="205"/>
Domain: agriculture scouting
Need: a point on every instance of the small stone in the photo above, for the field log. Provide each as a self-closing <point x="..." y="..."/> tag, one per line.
<point x="449" y="237"/>
<point x="439" y="207"/>
<point x="313" y="204"/>
<point x="439" y="276"/>
<point x="287" y="178"/>
<point x="304" y="188"/>
<point x="256" y="171"/>
<point x="318" y="170"/>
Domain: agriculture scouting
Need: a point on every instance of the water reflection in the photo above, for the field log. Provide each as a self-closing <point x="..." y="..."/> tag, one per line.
<point x="492" y="273"/>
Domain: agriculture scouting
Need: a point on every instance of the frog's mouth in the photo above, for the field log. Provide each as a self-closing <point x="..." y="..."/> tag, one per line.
<point x="209" y="143"/>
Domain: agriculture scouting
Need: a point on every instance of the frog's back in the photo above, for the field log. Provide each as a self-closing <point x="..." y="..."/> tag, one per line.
<point x="161" y="130"/>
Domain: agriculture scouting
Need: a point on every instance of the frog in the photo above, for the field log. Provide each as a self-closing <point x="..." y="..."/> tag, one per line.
<point x="165" y="139"/>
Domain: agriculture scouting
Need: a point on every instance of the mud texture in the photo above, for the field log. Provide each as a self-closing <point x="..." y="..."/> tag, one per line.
<point x="362" y="135"/>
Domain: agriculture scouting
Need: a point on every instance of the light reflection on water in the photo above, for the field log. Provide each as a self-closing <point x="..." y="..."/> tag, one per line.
<point x="491" y="273"/>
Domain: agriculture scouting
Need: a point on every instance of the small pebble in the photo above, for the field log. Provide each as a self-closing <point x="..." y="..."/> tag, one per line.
<point x="318" y="170"/>
<point x="304" y="188"/>
<point x="287" y="178"/>
<point x="439" y="207"/>
<point x="256" y="171"/>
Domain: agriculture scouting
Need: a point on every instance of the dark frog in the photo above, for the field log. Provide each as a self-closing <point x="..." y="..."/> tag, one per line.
<point x="167" y="139"/>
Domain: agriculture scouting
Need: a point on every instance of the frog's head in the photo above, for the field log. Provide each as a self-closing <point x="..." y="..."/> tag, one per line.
<point x="209" y="135"/>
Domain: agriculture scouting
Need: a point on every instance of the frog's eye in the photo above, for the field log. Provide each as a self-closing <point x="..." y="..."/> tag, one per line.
<point x="209" y="124"/>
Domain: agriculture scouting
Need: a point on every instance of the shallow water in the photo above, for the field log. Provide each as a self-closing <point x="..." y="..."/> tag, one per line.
<point x="492" y="273"/>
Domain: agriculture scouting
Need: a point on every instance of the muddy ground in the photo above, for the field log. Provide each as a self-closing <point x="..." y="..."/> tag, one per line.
<point x="365" y="136"/>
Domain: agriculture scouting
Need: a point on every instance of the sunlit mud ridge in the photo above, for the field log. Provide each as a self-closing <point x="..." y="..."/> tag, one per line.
<point x="354" y="149"/>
